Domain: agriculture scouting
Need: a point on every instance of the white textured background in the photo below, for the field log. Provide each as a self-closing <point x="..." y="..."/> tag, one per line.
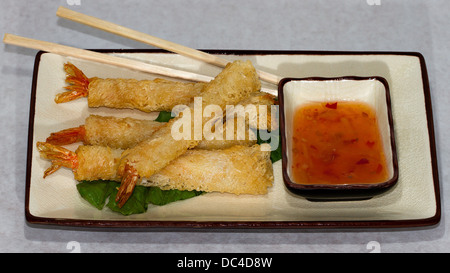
<point x="395" y="25"/>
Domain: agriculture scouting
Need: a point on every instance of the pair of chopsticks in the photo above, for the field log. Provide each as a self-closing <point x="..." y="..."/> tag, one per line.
<point x="127" y="63"/>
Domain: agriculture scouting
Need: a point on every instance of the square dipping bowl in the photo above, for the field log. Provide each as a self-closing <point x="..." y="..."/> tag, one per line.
<point x="373" y="91"/>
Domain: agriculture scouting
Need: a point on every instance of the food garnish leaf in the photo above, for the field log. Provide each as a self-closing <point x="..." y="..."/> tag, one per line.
<point x="158" y="197"/>
<point x="275" y="155"/>
<point x="164" y="116"/>
<point x="98" y="192"/>
<point x="136" y="204"/>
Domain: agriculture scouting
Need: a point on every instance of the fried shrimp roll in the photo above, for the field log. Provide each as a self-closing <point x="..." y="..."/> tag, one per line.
<point x="237" y="170"/>
<point x="117" y="133"/>
<point x="264" y="116"/>
<point x="124" y="133"/>
<point x="144" y="95"/>
<point x="235" y="83"/>
<point x="248" y="138"/>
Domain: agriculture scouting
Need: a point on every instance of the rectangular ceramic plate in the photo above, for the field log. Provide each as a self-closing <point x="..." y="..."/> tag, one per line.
<point x="413" y="202"/>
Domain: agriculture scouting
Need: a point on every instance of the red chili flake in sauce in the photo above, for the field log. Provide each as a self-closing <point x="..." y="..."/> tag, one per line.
<point x="362" y="161"/>
<point x="331" y="105"/>
<point x="351" y="141"/>
<point x="379" y="168"/>
<point x="370" y="143"/>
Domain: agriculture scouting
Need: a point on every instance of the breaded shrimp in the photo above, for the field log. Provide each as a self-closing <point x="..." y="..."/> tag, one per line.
<point x="235" y="83"/>
<point x="117" y="133"/>
<point x="125" y="133"/>
<point x="144" y="95"/>
<point x="237" y="170"/>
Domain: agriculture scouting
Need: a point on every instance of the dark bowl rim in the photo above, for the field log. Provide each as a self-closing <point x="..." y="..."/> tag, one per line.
<point x="333" y="187"/>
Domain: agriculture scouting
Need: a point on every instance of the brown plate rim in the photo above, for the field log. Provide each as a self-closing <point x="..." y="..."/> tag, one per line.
<point x="168" y="225"/>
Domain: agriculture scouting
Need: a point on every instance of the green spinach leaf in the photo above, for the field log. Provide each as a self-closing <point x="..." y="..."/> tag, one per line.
<point x="98" y="192"/>
<point x="158" y="197"/>
<point x="164" y="116"/>
<point x="274" y="141"/>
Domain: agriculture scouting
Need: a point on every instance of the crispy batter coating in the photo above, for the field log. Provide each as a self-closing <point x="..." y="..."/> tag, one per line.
<point x="235" y="83"/>
<point x="246" y="138"/>
<point x="154" y="153"/>
<point x="145" y="95"/>
<point x="97" y="163"/>
<point x="125" y="133"/>
<point x="237" y="170"/>
<point x="118" y="133"/>
<point x="257" y="119"/>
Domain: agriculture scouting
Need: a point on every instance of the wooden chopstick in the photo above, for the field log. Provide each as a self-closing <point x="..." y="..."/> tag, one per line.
<point x="154" y="41"/>
<point x="109" y="59"/>
<point x="102" y="58"/>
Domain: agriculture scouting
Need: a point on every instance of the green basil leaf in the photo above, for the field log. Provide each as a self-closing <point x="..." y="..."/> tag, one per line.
<point x="275" y="155"/>
<point x="158" y="197"/>
<point x="136" y="204"/>
<point x="164" y="116"/>
<point x="96" y="192"/>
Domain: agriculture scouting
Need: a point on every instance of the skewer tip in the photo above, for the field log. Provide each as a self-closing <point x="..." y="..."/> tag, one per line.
<point x="60" y="10"/>
<point x="6" y="38"/>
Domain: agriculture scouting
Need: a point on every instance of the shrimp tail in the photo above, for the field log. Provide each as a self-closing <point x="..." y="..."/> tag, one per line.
<point x="129" y="180"/>
<point x="68" y="136"/>
<point x="78" y="84"/>
<point x="60" y="157"/>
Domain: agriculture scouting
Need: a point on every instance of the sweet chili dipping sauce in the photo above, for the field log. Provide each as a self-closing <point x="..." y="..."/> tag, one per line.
<point x="337" y="143"/>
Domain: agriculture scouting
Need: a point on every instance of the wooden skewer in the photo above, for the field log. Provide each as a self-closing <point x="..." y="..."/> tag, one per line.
<point x="154" y="41"/>
<point x="102" y="58"/>
<point x="108" y="59"/>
